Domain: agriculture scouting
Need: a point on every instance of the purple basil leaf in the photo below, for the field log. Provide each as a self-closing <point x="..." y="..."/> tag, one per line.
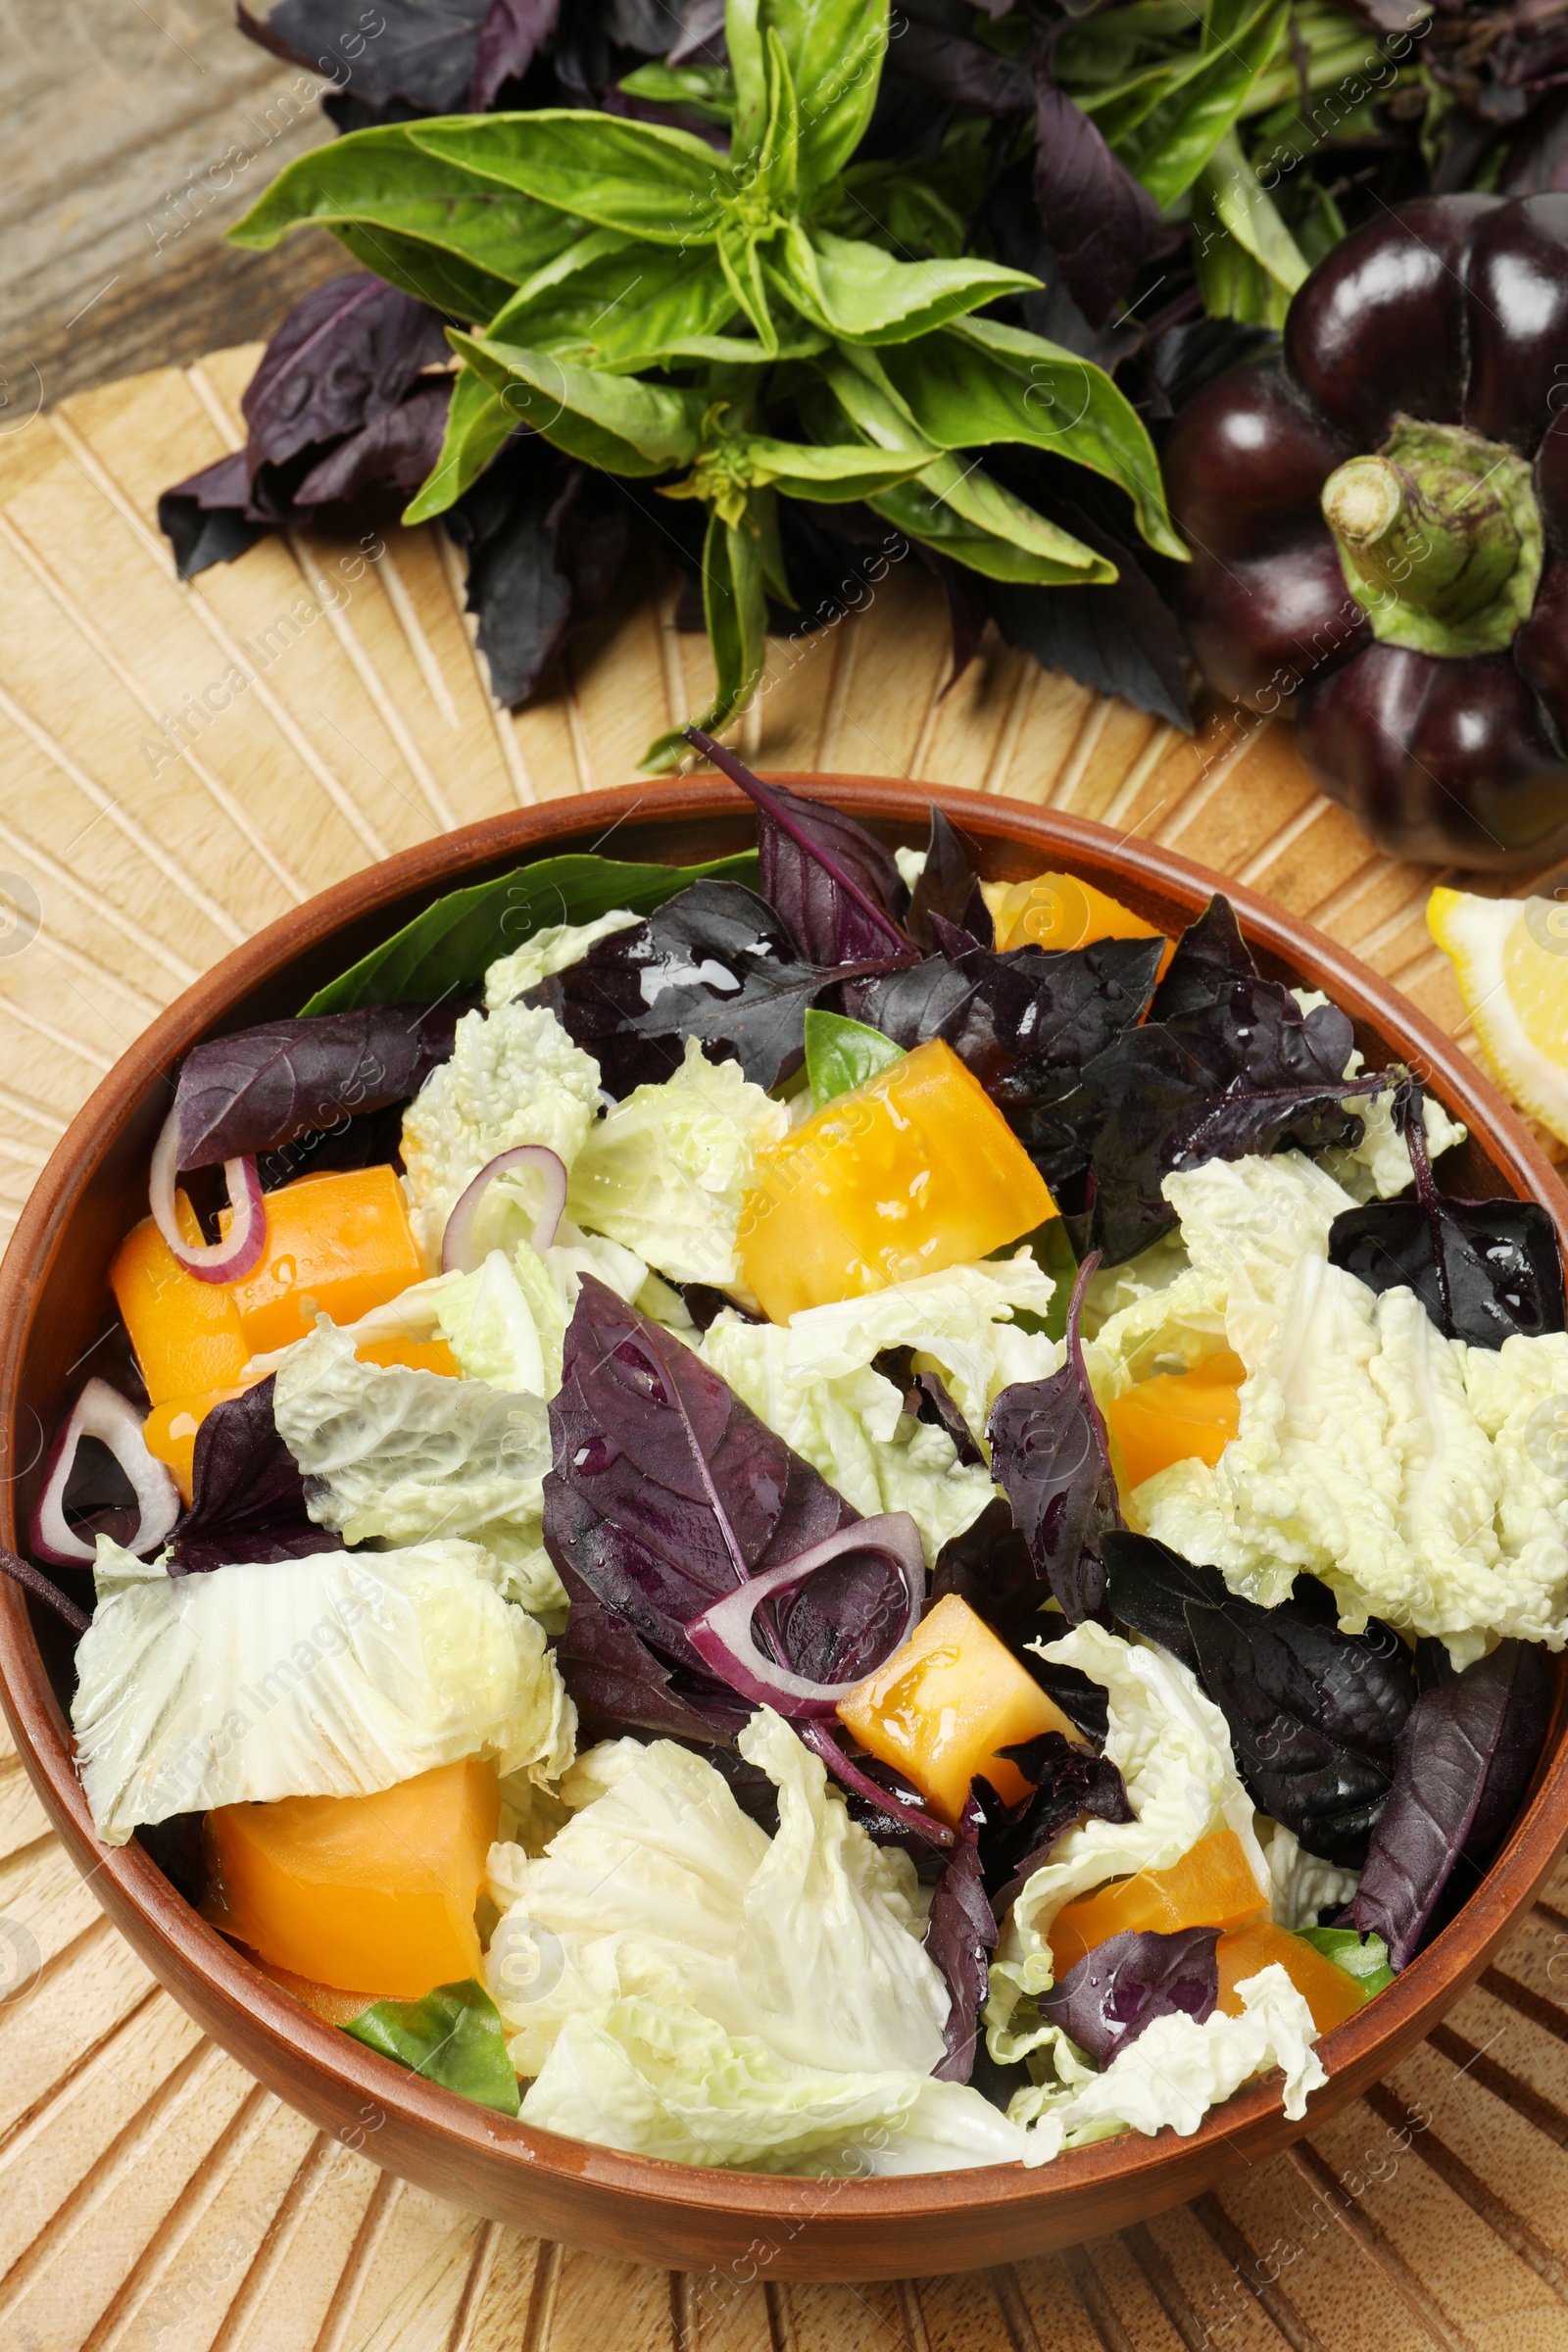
<point x="1209" y="956"/>
<point x="1012" y="1017"/>
<point x="1483" y="1269"/>
<point x="397" y="448"/>
<point x="701" y="39"/>
<point x="960" y="1935"/>
<point x="667" y="1492"/>
<point x="1111" y="1995"/>
<point x="423" y="52"/>
<point x="512" y="34"/>
<point x="1102" y="222"/>
<point x="963" y="71"/>
<point x="247" y="1493"/>
<point x="344" y="356"/>
<point x="834" y="886"/>
<point x="617" y="1683"/>
<point x="950" y="887"/>
<point x="1049" y="1456"/>
<point x="1465" y="1759"/>
<point x="946" y="1416"/>
<point x="714" y="962"/>
<point x="1069" y="1782"/>
<point x="546" y="542"/>
<point x="206" y="518"/>
<point x="1123" y="639"/>
<point x="1149" y="1587"/>
<point x="260" y="1088"/>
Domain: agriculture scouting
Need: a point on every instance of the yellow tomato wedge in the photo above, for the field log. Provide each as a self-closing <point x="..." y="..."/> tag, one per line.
<point x="355" y="1891"/>
<point x="942" y="1706"/>
<point x="337" y="1246"/>
<point x="1329" y="1992"/>
<point x="1057" y="910"/>
<point x="1174" y="1417"/>
<point x="913" y="1170"/>
<point x="1212" y="1887"/>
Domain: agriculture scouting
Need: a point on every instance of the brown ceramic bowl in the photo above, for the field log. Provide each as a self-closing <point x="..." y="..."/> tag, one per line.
<point x="53" y="1306"/>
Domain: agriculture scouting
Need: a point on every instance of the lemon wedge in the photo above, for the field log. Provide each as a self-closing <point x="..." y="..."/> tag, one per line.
<point x="1511" y="957"/>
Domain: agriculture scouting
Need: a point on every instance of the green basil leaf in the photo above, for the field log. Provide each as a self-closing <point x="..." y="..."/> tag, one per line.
<point x="835" y="50"/>
<point x="430" y="276"/>
<point x="611" y="421"/>
<point x="832" y="475"/>
<point x="1176" y="138"/>
<point x="978" y="382"/>
<point x="1365" y="1959"/>
<point x="381" y="180"/>
<point x="666" y="185"/>
<point x="955" y="508"/>
<point x="741" y="264"/>
<point x="747" y="64"/>
<point x="841" y="1054"/>
<point x="885" y="207"/>
<point x="735" y="603"/>
<point x="861" y="294"/>
<point x="706" y="91"/>
<point x="778" y="161"/>
<point x="967" y="516"/>
<point x="745" y="351"/>
<point x="453" y="941"/>
<point x="454" y="2037"/>
<point x="1051" y="1247"/>
<point x="621" y="307"/>
<point x="478" y="426"/>
<point x="1248" y="264"/>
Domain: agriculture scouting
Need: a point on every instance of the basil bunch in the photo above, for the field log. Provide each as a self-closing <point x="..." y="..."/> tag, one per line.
<point x="657" y="309"/>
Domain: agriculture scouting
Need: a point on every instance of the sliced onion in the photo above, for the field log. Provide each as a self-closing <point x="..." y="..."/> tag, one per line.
<point x="101" y="1413"/>
<point x="724" y="1635"/>
<point x="821" y="1742"/>
<point x="458" y="1253"/>
<point x="209" y="1262"/>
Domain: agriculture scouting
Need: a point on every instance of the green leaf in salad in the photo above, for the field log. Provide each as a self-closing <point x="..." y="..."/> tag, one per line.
<point x="454" y="2037"/>
<point x="1363" y="1957"/>
<point x="842" y="1053"/>
<point x="452" y="944"/>
<point x="664" y="185"/>
<point x="1051" y="1247"/>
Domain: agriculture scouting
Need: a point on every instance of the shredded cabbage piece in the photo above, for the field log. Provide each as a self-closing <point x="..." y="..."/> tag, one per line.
<point x="549" y="951"/>
<point x="1174" y="2072"/>
<point x="1173" y="1749"/>
<point x="336" y="1675"/>
<point x="812" y="1381"/>
<point x="665" y="1171"/>
<point x="513" y="1077"/>
<point x="660" y="1887"/>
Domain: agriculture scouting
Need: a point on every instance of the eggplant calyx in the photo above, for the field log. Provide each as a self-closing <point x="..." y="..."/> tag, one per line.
<point x="1439" y="539"/>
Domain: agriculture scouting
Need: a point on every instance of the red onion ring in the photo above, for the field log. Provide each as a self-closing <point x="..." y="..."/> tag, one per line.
<point x="723" y="1636"/>
<point x="209" y="1262"/>
<point x="820" y="1740"/>
<point x="100" y="1411"/>
<point x="458" y="1255"/>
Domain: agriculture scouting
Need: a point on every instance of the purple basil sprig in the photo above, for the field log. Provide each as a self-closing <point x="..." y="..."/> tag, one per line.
<point x="1051" y="1457"/>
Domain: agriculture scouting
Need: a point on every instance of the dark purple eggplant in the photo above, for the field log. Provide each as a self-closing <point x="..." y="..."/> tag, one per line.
<point x="1379" y="519"/>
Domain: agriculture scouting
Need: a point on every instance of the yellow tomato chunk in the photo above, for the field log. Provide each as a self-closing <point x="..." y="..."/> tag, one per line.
<point x="337" y="1246"/>
<point x="1057" y="910"/>
<point x="356" y="1890"/>
<point x="942" y="1706"/>
<point x="1329" y="1992"/>
<point x="169" y="1431"/>
<point x="325" y="2001"/>
<point x="186" y="1334"/>
<point x="913" y="1170"/>
<point x="1212" y="1887"/>
<point x="419" y="1356"/>
<point x="1174" y="1417"/>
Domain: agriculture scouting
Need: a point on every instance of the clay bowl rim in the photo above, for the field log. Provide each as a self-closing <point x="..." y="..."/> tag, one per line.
<point x="309" y="2060"/>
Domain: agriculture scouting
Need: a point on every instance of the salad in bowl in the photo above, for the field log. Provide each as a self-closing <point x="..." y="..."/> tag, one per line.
<point x="840" y="1519"/>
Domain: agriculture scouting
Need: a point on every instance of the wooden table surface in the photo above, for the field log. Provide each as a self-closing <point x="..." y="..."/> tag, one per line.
<point x="150" y="2193"/>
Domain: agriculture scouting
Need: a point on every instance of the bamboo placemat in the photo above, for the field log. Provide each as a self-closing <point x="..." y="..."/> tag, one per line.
<point x="183" y="763"/>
